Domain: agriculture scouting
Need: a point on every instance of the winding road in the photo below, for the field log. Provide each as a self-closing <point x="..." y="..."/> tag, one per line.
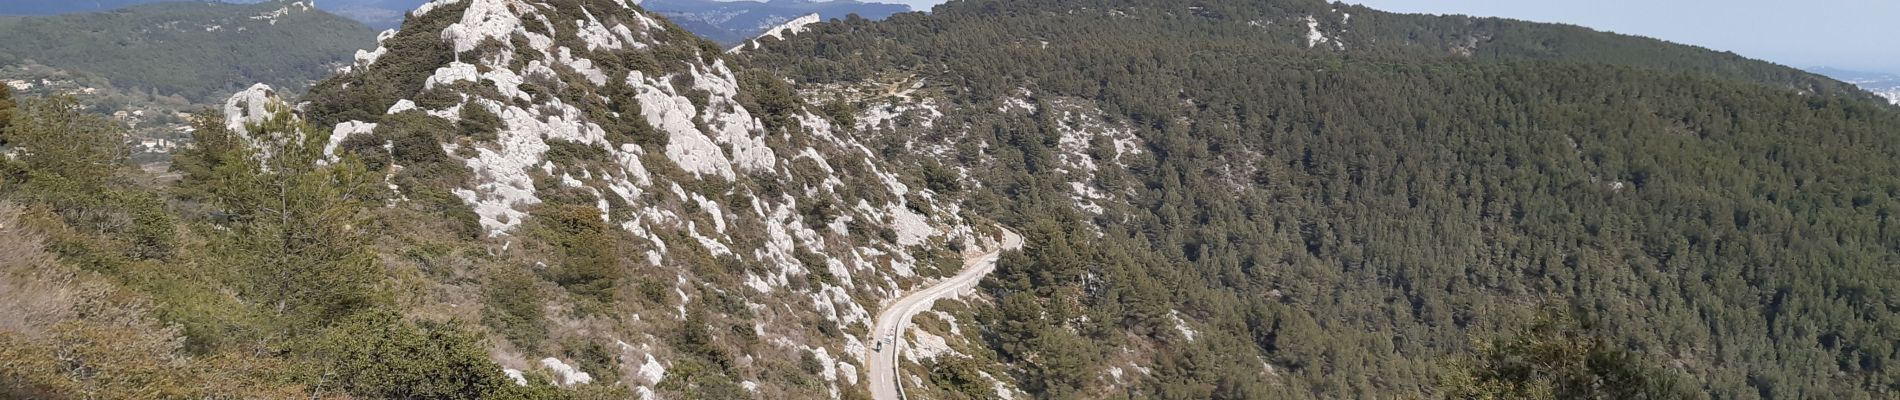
<point x="895" y="317"/>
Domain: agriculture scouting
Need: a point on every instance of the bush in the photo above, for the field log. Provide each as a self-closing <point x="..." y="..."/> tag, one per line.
<point x="379" y="355"/>
<point x="6" y="112"/>
<point x="589" y="264"/>
<point x="1557" y="357"/>
<point x="842" y="114"/>
<point x="591" y="357"/>
<point x="959" y="376"/>
<point x="564" y="152"/>
<point x="91" y="359"/>
<point x="70" y="334"/>
<point x="512" y="306"/>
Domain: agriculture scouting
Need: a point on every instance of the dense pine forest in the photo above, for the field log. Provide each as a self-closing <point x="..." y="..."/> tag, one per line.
<point x="1365" y="218"/>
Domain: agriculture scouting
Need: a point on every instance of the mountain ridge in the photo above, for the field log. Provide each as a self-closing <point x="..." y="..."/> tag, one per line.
<point x="1293" y="200"/>
<point x="380" y="14"/>
<point x="725" y="22"/>
<point x="1213" y="200"/>
<point x="225" y="46"/>
<point x="733" y="22"/>
<point x="597" y="108"/>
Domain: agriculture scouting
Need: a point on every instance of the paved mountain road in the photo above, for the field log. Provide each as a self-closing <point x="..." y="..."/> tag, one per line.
<point x="895" y="317"/>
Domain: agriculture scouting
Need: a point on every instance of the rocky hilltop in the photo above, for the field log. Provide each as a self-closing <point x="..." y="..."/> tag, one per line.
<point x="748" y="205"/>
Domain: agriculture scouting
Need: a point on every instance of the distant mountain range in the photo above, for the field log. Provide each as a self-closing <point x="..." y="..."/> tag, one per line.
<point x="728" y="22"/>
<point x="56" y="7"/>
<point x="731" y="22"/>
<point x="1884" y="84"/>
<point x="381" y="14"/>
<point x="199" y="50"/>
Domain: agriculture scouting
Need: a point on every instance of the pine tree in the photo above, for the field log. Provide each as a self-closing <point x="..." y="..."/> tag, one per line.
<point x="213" y="146"/>
<point x="294" y="215"/>
<point x="66" y="149"/>
<point x="1558" y="357"/>
<point x="6" y="112"/>
<point x="589" y="258"/>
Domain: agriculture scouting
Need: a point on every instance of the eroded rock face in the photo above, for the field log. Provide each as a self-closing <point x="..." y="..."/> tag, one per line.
<point x="249" y="107"/>
<point x="597" y="104"/>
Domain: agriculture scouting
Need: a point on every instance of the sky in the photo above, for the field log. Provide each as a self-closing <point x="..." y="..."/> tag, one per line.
<point x="1851" y="34"/>
<point x="919" y="5"/>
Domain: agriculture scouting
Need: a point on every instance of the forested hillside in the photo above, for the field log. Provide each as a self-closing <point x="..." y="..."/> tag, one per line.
<point x="504" y="199"/>
<point x="202" y="51"/>
<point x="1344" y="203"/>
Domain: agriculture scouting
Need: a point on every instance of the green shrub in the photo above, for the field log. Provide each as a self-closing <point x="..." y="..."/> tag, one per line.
<point x="512" y="306"/>
<point x="377" y="354"/>
<point x="1557" y="357"/>
<point x="959" y="376"/>
<point x="591" y="357"/>
<point x="589" y="254"/>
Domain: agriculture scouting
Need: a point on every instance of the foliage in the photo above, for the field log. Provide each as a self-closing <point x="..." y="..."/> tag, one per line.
<point x="589" y="255"/>
<point x="512" y="305"/>
<point x="104" y="360"/>
<point x="264" y="288"/>
<point x="854" y="49"/>
<point x="1334" y="223"/>
<point x="66" y="145"/>
<point x="200" y="50"/>
<point x="361" y="95"/>
<point x="959" y="375"/>
<point x="1298" y="222"/>
<point x="379" y="355"/>
<point x="706" y="367"/>
<point x="66" y="333"/>
<point x="291" y="213"/>
<point x="1556" y="357"/>
<point x="7" y="106"/>
<point x="75" y="163"/>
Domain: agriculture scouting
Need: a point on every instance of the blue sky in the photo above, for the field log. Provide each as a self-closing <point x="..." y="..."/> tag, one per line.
<point x="920" y="5"/>
<point x="1851" y="34"/>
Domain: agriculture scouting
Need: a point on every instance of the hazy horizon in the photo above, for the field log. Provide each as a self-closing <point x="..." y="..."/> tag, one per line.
<point x="1839" y="34"/>
<point x="1819" y="33"/>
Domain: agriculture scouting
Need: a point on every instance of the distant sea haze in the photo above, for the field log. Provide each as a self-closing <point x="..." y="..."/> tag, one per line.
<point x="1880" y="83"/>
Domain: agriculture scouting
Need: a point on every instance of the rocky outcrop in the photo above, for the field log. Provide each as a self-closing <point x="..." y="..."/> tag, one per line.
<point x="597" y="104"/>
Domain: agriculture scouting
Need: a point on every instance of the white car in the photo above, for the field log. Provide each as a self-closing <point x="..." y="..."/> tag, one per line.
<point x="879" y="346"/>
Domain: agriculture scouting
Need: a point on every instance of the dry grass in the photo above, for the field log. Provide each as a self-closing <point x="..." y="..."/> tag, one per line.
<point x="38" y="292"/>
<point x="33" y="295"/>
